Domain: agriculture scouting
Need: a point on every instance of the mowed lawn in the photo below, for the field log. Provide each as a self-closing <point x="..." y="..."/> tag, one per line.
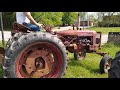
<point x="105" y="30"/>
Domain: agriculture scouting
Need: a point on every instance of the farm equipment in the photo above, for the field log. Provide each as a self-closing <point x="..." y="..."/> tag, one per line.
<point x="31" y="54"/>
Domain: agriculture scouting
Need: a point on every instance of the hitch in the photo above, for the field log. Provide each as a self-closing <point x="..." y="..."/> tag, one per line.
<point x="101" y="53"/>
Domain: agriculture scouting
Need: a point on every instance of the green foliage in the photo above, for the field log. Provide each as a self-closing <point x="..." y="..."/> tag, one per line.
<point x="55" y="18"/>
<point x="48" y="18"/>
<point x="69" y="18"/>
<point x="8" y="19"/>
<point x="82" y="14"/>
<point x="110" y="21"/>
<point x="105" y="30"/>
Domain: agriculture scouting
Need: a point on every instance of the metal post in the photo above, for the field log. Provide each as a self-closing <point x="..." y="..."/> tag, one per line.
<point x="78" y="21"/>
<point x="3" y="41"/>
<point x="83" y="23"/>
<point x="88" y="21"/>
<point x="73" y="27"/>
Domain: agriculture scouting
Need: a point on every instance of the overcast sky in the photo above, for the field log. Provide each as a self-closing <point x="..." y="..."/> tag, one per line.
<point x="91" y="12"/>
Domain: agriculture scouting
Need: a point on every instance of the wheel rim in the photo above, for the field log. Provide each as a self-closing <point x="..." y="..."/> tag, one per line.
<point x="39" y="60"/>
<point x="107" y="66"/>
<point x="81" y="55"/>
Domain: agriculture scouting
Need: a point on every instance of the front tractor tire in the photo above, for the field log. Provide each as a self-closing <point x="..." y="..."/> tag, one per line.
<point x="80" y="55"/>
<point x="105" y="64"/>
<point x="35" y="55"/>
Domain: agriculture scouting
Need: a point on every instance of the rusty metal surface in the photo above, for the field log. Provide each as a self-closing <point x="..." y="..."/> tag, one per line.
<point x="39" y="60"/>
<point x="101" y="53"/>
<point x="77" y="32"/>
<point x="38" y="64"/>
<point x="92" y="39"/>
<point x="19" y="28"/>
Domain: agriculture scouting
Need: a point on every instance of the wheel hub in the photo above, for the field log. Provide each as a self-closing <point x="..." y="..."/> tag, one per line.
<point x="107" y="67"/>
<point x="39" y="63"/>
<point x="39" y="60"/>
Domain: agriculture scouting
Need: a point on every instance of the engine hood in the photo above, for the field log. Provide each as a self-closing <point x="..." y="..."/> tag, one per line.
<point x="77" y="32"/>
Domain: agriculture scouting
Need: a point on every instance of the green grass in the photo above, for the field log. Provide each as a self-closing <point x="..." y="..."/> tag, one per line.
<point x="89" y="68"/>
<point x="105" y="30"/>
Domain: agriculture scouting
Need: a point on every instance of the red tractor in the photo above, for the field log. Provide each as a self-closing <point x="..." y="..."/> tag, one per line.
<point x="31" y="54"/>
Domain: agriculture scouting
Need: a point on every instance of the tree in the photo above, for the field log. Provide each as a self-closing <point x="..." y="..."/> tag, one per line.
<point x="82" y="15"/>
<point x="100" y="15"/>
<point x="107" y="20"/>
<point x="93" y="18"/>
<point x="110" y="13"/>
<point x="69" y="17"/>
<point x="48" y="18"/>
<point x="8" y="19"/>
<point x="56" y="18"/>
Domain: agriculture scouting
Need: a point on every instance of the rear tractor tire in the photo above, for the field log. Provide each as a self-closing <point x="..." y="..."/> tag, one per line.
<point x="35" y="55"/>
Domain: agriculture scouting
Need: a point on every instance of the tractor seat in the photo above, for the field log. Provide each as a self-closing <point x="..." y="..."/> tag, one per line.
<point x="21" y="27"/>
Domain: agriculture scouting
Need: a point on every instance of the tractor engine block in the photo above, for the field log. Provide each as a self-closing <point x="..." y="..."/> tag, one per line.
<point x="74" y="43"/>
<point x="85" y="40"/>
